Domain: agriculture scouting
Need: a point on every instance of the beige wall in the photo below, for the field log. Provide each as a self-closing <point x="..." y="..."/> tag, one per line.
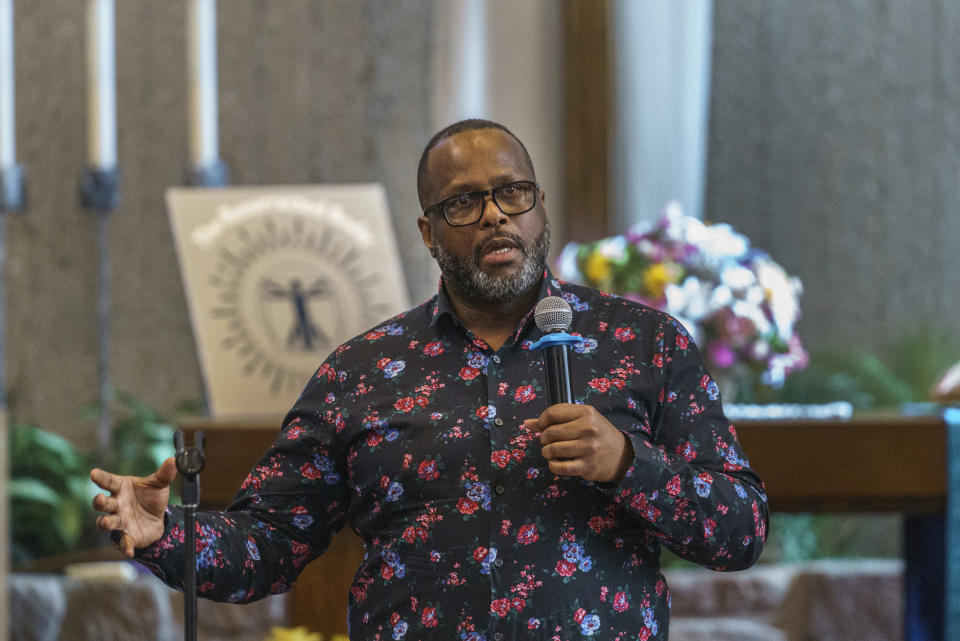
<point x="835" y="146"/>
<point x="310" y="92"/>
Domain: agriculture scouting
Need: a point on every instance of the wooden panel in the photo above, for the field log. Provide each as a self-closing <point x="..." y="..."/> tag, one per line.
<point x="869" y="463"/>
<point x="586" y="113"/>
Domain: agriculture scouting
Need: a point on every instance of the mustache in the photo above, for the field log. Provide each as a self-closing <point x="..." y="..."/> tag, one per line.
<point x="517" y="240"/>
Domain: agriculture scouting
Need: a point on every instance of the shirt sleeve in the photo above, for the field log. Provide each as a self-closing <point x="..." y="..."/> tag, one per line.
<point x="287" y="511"/>
<point x="690" y="481"/>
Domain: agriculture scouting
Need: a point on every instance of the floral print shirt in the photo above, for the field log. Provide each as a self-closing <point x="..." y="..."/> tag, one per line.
<point x="413" y="434"/>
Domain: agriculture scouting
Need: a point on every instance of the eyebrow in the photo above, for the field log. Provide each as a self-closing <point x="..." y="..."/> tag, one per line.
<point x="501" y="179"/>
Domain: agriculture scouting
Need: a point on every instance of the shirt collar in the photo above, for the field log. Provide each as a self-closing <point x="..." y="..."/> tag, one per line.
<point x="549" y="286"/>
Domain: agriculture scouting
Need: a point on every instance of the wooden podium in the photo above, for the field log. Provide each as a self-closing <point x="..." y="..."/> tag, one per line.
<point x="887" y="463"/>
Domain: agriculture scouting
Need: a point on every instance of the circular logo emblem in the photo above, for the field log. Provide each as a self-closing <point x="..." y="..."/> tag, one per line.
<point x="288" y="290"/>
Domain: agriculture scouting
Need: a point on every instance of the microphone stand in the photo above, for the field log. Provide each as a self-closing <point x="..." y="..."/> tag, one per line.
<point x="190" y="462"/>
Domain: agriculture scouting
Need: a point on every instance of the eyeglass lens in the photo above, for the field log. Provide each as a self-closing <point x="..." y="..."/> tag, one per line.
<point x="512" y="198"/>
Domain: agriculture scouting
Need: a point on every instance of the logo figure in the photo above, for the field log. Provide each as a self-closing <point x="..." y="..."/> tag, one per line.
<point x="304" y="333"/>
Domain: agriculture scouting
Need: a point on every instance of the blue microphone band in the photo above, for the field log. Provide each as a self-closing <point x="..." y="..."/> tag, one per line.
<point x="556" y="338"/>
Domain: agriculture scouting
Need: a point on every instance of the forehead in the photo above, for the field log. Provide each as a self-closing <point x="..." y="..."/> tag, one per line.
<point x="471" y="159"/>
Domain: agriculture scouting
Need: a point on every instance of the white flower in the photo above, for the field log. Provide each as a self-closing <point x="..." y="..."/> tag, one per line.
<point x="689" y="299"/>
<point x="737" y="277"/>
<point x="614" y="248"/>
<point x="780" y="293"/>
<point x="720" y="243"/>
<point x="754" y="314"/>
<point x="567" y="263"/>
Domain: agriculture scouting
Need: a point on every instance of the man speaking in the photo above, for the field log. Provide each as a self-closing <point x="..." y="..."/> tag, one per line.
<point x="485" y="513"/>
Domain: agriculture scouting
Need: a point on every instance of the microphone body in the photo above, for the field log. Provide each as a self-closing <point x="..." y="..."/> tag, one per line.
<point x="556" y="359"/>
<point x="554" y="317"/>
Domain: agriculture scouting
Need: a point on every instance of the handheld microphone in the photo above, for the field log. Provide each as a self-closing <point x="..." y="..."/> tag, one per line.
<point x="553" y="317"/>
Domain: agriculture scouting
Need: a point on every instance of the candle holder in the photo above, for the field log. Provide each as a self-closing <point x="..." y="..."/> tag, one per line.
<point x="211" y="174"/>
<point x="100" y="189"/>
<point x="13" y="193"/>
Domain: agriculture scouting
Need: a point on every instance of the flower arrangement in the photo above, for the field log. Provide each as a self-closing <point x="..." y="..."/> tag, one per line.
<point x="740" y="306"/>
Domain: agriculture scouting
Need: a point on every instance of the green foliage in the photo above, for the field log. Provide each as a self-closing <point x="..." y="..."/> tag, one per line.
<point x="906" y="373"/>
<point x="141" y="438"/>
<point x="802" y="537"/>
<point x="50" y="491"/>
<point x="857" y="377"/>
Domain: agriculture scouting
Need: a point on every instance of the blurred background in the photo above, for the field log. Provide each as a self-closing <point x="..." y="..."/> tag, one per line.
<point x="826" y="132"/>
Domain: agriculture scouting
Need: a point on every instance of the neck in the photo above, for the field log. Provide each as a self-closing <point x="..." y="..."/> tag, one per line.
<point x="494" y="322"/>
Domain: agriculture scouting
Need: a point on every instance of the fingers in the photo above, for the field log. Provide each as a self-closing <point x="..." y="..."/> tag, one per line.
<point x="567" y="449"/>
<point x="166" y="472"/>
<point x="109" y="522"/>
<point x="562" y="413"/>
<point x="105" y="480"/>
<point x="104" y="503"/>
<point x="127" y="547"/>
<point x="574" y="467"/>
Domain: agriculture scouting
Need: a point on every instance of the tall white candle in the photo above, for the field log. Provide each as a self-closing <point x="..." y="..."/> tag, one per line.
<point x="8" y="116"/>
<point x="101" y="86"/>
<point x="202" y="72"/>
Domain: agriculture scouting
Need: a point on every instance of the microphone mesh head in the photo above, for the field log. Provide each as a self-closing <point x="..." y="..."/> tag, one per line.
<point x="552" y="314"/>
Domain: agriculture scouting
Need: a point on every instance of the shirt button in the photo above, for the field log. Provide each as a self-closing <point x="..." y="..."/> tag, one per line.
<point x="498" y="421"/>
<point x="495" y="358"/>
<point x="498" y="563"/>
<point x="498" y="636"/>
<point x="500" y="489"/>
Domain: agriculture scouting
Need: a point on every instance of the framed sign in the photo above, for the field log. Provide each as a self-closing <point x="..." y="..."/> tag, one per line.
<point x="276" y="278"/>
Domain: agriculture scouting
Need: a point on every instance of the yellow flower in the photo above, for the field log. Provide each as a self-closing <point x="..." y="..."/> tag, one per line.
<point x="597" y="269"/>
<point x="297" y="634"/>
<point x="657" y="276"/>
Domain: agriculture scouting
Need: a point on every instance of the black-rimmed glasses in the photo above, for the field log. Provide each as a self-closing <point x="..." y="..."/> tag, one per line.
<point x="467" y="208"/>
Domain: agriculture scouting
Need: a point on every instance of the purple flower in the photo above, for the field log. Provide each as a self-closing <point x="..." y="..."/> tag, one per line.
<point x="721" y="355"/>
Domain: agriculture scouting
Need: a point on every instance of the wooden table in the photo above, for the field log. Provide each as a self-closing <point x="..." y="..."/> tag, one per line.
<point x="887" y="463"/>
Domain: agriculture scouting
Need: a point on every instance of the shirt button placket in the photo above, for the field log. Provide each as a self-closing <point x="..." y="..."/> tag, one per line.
<point x="495" y="435"/>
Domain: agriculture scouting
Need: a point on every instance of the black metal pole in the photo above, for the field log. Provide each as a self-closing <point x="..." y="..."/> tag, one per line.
<point x="100" y="193"/>
<point x="190" y="462"/>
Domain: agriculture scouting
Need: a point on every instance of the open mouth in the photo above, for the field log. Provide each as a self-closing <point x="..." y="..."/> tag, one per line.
<point x="498" y="247"/>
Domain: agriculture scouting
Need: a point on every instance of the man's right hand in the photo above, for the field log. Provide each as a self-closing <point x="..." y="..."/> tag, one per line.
<point x="135" y="506"/>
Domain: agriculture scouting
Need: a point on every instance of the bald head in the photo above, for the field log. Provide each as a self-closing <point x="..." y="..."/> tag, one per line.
<point x="423" y="169"/>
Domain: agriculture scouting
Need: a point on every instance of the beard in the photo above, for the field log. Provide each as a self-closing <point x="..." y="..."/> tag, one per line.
<point x="466" y="276"/>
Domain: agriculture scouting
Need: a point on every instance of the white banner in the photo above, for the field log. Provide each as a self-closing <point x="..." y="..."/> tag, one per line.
<point x="275" y="278"/>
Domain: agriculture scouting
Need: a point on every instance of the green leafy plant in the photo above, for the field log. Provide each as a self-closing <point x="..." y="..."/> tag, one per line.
<point x="905" y="373"/>
<point x="140" y="439"/>
<point x="50" y="491"/>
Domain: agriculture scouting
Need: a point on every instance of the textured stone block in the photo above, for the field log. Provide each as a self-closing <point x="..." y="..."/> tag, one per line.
<point x="756" y="592"/>
<point x="37" y="607"/>
<point x="48" y="607"/>
<point x="723" y="629"/>
<point x="844" y="601"/>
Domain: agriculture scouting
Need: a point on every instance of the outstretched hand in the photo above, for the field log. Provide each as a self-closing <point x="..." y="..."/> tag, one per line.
<point x="135" y="506"/>
<point x="578" y="441"/>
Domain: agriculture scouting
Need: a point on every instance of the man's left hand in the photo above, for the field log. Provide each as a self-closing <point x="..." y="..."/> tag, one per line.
<point x="578" y="441"/>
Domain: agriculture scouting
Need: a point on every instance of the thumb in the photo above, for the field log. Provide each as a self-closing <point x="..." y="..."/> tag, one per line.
<point x="166" y="472"/>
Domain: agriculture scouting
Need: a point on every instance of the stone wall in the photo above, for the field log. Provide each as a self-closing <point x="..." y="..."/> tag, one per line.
<point x="310" y="92"/>
<point x="835" y="145"/>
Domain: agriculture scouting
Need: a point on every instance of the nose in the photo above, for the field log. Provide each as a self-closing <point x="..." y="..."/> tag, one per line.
<point x="491" y="215"/>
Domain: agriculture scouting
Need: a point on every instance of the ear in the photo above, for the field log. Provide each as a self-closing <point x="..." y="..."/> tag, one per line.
<point x="426" y="232"/>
